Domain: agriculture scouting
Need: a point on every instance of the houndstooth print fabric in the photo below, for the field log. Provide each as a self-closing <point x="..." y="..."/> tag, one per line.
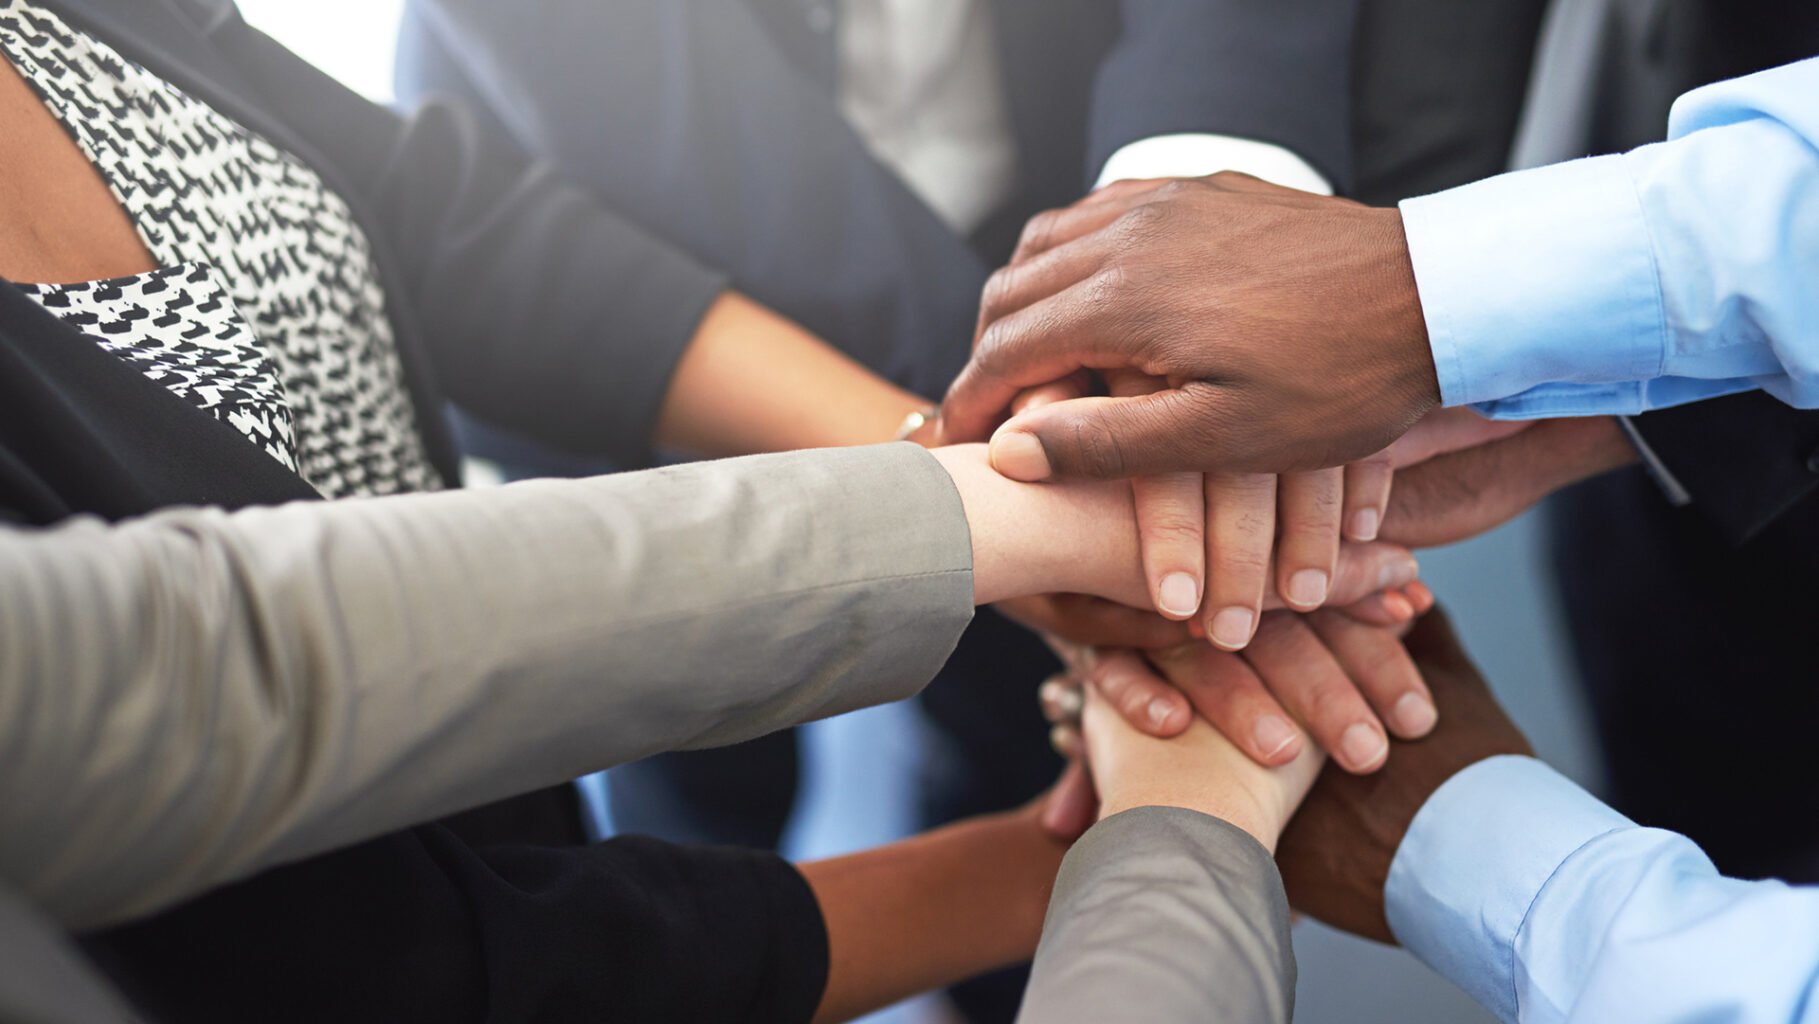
<point x="205" y="192"/>
<point x="181" y="329"/>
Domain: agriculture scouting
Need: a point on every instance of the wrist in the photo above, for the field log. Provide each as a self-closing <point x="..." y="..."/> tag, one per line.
<point x="1416" y="375"/>
<point x="1237" y="810"/>
<point x="1031" y="539"/>
<point x="921" y="426"/>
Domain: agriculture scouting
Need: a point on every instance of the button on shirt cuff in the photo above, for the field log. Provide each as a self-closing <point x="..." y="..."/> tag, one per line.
<point x="1541" y="278"/>
<point x="1475" y="859"/>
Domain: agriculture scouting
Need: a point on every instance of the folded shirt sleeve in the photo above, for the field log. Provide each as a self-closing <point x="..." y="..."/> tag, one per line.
<point x="1547" y="906"/>
<point x="1614" y="285"/>
<point x="216" y="693"/>
<point x="1163" y="915"/>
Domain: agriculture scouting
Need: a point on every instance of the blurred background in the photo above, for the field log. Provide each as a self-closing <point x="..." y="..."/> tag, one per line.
<point x="1496" y="587"/>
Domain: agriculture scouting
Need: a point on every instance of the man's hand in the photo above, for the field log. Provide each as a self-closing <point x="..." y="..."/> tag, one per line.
<point x="1287" y="325"/>
<point x="1335" y="856"/>
<point x="1454" y="496"/>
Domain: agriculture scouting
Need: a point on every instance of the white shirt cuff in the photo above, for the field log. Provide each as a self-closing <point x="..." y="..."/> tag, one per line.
<point x="1194" y="156"/>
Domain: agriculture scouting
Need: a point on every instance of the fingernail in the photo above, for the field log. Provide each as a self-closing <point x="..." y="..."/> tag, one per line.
<point x="1273" y="735"/>
<point x="1398" y="607"/>
<point x="1414" y="716"/>
<point x="1232" y="627"/>
<point x="1362" y="747"/>
<point x="1365" y="524"/>
<point x="1020" y="456"/>
<point x="1160" y="712"/>
<point x="1421" y="595"/>
<point x="1398" y="572"/>
<point x="1307" y="588"/>
<point x="1179" y="595"/>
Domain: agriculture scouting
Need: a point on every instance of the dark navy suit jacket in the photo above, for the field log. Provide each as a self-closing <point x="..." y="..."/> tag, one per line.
<point x="716" y="124"/>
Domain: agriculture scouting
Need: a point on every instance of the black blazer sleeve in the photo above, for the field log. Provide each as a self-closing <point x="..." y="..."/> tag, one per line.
<point x="540" y="309"/>
<point x="1745" y="460"/>
<point x="419" y="928"/>
<point x="1276" y="71"/>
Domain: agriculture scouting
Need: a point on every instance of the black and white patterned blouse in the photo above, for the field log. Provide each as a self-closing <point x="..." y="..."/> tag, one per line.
<point x="267" y="311"/>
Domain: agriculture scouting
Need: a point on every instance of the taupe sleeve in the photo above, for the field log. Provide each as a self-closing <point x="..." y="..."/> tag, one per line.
<point x="191" y="697"/>
<point x="1164" y="916"/>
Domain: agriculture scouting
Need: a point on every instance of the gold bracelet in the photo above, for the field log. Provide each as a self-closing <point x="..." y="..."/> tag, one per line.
<point x="916" y="421"/>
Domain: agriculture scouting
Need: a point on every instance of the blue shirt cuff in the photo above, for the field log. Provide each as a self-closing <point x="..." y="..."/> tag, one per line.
<point x="1542" y="277"/>
<point x="1474" y="860"/>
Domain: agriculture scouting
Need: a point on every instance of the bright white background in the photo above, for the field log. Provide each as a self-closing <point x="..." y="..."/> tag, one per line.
<point x="350" y="39"/>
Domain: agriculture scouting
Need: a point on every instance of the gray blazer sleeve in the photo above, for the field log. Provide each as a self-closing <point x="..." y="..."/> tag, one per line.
<point x="191" y="697"/>
<point x="1164" y="916"/>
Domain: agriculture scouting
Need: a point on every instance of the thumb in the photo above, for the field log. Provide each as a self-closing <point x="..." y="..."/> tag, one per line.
<point x="1101" y="438"/>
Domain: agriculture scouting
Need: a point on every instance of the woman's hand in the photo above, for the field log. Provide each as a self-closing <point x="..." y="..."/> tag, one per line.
<point x="1366" y="586"/>
<point x="1221" y="549"/>
<point x="1199" y="770"/>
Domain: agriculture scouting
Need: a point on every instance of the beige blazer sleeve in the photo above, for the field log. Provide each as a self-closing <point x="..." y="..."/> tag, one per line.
<point x="1164" y="916"/>
<point x="192" y="697"/>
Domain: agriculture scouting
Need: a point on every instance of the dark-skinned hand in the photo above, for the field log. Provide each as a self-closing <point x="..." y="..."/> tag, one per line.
<point x="1462" y="494"/>
<point x="1335" y="855"/>
<point x="1287" y="326"/>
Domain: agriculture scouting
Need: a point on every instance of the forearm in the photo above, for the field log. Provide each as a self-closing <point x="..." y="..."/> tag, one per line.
<point x="927" y="912"/>
<point x="215" y="693"/>
<point x="277" y="682"/>
<point x="752" y="381"/>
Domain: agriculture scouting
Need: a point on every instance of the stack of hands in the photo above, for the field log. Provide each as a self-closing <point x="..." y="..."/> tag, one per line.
<point x="1281" y="584"/>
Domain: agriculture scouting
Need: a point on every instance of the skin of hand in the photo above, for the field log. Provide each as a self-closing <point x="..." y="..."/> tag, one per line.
<point x="935" y="909"/>
<point x="1199" y="770"/>
<point x="1343" y="678"/>
<point x="1461" y="494"/>
<point x="1078" y="538"/>
<point x="753" y="381"/>
<point x="1366" y="587"/>
<point x="1288" y="326"/>
<point x="1335" y="856"/>
<point x="1210" y="540"/>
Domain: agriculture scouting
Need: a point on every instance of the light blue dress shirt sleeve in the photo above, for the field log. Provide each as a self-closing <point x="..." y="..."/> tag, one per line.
<point x="1547" y="906"/>
<point x="1681" y="271"/>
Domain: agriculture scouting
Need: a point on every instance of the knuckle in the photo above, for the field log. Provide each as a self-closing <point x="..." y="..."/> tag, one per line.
<point x="1109" y="284"/>
<point x="1100" y="454"/>
<point x="1038" y="230"/>
<point x="1332" y="699"/>
<point x="999" y="337"/>
<point x="1140" y="220"/>
<point x="998" y="289"/>
<point x="1173" y="529"/>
